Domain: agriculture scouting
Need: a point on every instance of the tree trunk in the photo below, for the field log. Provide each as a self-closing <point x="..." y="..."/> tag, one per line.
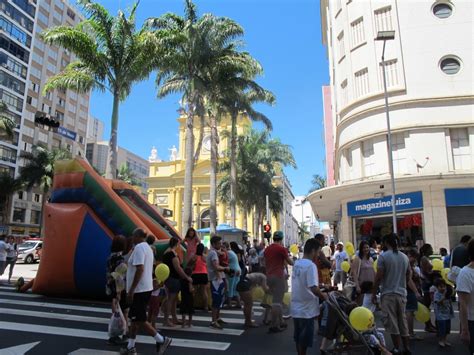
<point x="255" y="223"/>
<point x="245" y="224"/>
<point x="213" y="175"/>
<point x="188" y="173"/>
<point x="111" y="169"/>
<point x="233" y="169"/>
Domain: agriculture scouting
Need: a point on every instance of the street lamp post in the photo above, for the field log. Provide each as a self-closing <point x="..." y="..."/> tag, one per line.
<point x="387" y="36"/>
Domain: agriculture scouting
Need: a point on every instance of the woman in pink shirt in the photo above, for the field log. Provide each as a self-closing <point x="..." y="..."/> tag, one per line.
<point x="191" y="239"/>
<point x="199" y="276"/>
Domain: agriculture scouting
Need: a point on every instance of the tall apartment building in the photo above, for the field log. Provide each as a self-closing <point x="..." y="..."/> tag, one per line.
<point x="429" y="68"/>
<point x="27" y="63"/>
<point x="95" y="130"/>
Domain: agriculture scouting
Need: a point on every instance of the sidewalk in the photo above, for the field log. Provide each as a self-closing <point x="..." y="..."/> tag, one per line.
<point x="27" y="271"/>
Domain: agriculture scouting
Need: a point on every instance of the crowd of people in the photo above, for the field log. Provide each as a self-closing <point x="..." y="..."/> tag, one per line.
<point x="388" y="281"/>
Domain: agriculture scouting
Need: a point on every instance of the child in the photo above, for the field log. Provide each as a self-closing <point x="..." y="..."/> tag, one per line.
<point x="443" y="312"/>
<point x="156" y="300"/>
<point x="187" y="300"/>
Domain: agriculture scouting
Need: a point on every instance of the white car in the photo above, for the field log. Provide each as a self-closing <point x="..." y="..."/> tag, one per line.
<point x="30" y="251"/>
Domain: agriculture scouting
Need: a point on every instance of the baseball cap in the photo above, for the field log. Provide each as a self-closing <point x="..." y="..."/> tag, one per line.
<point x="340" y="243"/>
<point x="278" y="235"/>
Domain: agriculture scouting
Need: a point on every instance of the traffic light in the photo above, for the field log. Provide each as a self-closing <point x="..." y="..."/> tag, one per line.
<point x="267" y="231"/>
<point x="45" y="120"/>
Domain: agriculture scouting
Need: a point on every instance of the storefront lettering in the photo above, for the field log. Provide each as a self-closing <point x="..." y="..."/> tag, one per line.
<point x="373" y="206"/>
<point x="370" y="206"/>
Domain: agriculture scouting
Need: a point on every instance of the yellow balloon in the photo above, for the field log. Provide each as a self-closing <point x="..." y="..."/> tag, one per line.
<point x="349" y="245"/>
<point x="287" y="298"/>
<point x="162" y="272"/>
<point x="350" y="251"/>
<point x="422" y="314"/>
<point x="375" y="265"/>
<point x="345" y="266"/>
<point x="361" y="318"/>
<point x="437" y="264"/>
<point x="258" y="294"/>
<point x="294" y="249"/>
<point x="444" y="275"/>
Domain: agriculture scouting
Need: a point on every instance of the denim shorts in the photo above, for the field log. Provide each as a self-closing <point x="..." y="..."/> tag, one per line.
<point x="303" y="332"/>
<point x="217" y="293"/>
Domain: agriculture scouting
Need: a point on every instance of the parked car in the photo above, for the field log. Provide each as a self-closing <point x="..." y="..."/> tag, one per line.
<point x="30" y="251"/>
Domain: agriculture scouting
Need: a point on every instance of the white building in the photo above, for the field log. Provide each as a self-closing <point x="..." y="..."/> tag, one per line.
<point x="288" y="222"/>
<point x="95" y="130"/>
<point x="304" y="216"/>
<point x="96" y="154"/>
<point x="431" y="97"/>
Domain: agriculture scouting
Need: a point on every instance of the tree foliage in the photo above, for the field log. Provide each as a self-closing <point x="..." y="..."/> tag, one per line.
<point x="317" y="182"/>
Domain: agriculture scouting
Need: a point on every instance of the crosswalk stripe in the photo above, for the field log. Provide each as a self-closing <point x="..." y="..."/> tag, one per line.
<point x="86" y="319"/>
<point x="31" y="295"/>
<point x="91" y="334"/>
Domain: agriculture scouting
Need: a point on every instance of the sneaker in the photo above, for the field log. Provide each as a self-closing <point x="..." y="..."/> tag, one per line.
<point x="286" y="316"/>
<point x="161" y="348"/>
<point x="19" y="283"/>
<point x="127" y="351"/>
<point x="216" y="325"/>
<point x="416" y="337"/>
<point x="221" y="322"/>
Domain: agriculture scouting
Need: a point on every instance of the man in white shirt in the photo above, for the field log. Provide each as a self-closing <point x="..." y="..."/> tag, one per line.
<point x="465" y="290"/>
<point x="3" y="254"/>
<point x="305" y="295"/>
<point x="339" y="256"/>
<point x="139" y="288"/>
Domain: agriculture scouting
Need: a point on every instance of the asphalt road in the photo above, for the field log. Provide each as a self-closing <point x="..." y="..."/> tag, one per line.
<point x="34" y="324"/>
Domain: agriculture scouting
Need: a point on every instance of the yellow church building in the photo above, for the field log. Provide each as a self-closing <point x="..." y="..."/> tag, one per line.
<point x="166" y="180"/>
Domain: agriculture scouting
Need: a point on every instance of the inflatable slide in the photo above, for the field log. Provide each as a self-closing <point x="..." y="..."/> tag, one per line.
<point x="85" y="211"/>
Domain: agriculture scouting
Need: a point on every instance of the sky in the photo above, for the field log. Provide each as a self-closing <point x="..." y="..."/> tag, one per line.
<point x="285" y="36"/>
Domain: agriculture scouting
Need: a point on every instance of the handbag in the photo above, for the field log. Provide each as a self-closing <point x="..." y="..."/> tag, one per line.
<point x="350" y="285"/>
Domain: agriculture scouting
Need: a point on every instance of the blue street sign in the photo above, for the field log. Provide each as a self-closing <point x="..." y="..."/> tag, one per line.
<point x="67" y="133"/>
<point x="374" y="206"/>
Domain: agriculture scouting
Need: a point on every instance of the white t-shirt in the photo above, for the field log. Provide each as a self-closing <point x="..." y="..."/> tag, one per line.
<point x="340" y="256"/>
<point x="304" y="304"/>
<point x="465" y="283"/>
<point x="141" y="255"/>
<point x="3" y="250"/>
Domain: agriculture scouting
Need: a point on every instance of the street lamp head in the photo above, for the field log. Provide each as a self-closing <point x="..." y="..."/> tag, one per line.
<point x="385" y="35"/>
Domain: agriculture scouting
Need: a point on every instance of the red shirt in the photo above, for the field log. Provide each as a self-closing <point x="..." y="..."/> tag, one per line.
<point x="223" y="258"/>
<point x="275" y="256"/>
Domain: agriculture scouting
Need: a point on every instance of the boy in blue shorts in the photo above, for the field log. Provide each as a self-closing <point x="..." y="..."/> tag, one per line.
<point x="305" y="295"/>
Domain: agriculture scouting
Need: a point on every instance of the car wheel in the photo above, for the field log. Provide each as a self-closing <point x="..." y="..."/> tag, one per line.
<point x="29" y="259"/>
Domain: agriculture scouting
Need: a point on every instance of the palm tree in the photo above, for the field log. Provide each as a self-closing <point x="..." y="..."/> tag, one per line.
<point x="112" y="56"/>
<point x="241" y="94"/>
<point x="259" y="159"/>
<point x="127" y="175"/>
<point x="7" y="124"/>
<point x="38" y="170"/>
<point x="8" y="186"/>
<point x="193" y="46"/>
<point x="318" y="182"/>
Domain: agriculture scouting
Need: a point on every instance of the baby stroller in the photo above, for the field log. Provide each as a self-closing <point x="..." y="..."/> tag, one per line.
<point x="347" y="339"/>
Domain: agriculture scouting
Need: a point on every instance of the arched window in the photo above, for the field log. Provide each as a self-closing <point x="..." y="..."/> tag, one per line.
<point x="205" y="220"/>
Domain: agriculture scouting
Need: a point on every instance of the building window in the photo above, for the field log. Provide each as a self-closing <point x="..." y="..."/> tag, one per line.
<point x="368" y="157"/>
<point x="450" y="65"/>
<point x="43" y="18"/>
<point x="442" y="10"/>
<point x="71" y="14"/>
<point x="12" y="65"/>
<point x="399" y="153"/>
<point x="391" y="73"/>
<point x="11" y="100"/>
<point x="460" y="148"/>
<point x="37" y="58"/>
<point x="35" y="217"/>
<point x="358" y="33"/>
<point x="51" y="67"/>
<point x="361" y="83"/>
<point x="344" y="94"/>
<point x="21" y="194"/>
<point x="19" y="215"/>
<point x="37" y="198"/>
<point x="383" y="19"/>
<point x="14" y="31"/>
<point x="340" y="41"/>
<point x="36" y="72"/>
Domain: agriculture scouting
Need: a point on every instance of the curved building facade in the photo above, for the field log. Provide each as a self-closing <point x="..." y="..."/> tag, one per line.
<point x="430" y="83"/>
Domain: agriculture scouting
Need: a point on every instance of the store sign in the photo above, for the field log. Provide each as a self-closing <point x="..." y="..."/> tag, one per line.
<point x="459" y="197"/>
<point x="374" y="206"/>
<point x="67" y="133"/>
